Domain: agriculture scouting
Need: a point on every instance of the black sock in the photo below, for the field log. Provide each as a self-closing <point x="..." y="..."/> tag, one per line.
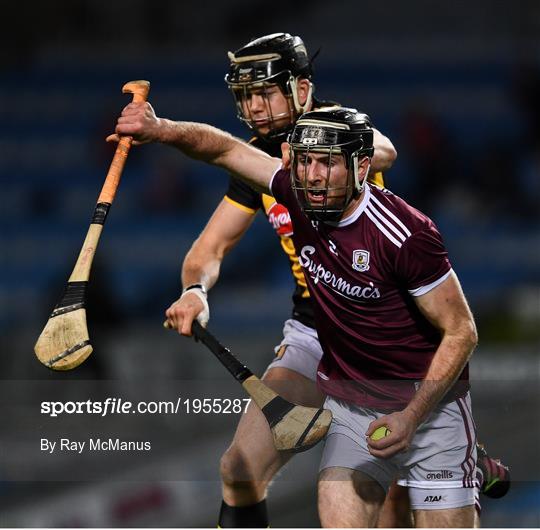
<point x="252" y="516"/>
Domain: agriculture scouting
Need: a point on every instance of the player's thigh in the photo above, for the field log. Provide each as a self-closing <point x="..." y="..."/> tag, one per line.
<point x="396" y="510"/>
<point x="252" y="454"/>
<point x="348" y="498"/>
<point x="293" y="371"/>
<point x="477" y="521"/>
<point x="447" y="518"/>
<point x="294" y="387"/>
<point x="439" y="466"/>
<point x="253" y="432"/>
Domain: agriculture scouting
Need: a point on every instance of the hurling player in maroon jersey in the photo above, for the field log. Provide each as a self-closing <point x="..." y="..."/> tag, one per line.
<point x="270" y="79"/>
<point x="392" y="320"/>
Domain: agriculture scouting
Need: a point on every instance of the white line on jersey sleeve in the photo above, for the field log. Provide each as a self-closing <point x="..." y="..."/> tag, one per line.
<point x="272" y="179"/>
<point x="392" y="216"/>
<point x="383" y="229"/>
<point x="419" y="291"/>
<point x="384" y="220"/>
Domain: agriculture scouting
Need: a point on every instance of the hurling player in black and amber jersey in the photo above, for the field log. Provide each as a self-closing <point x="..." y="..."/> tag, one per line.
<point x="271" y="81"/>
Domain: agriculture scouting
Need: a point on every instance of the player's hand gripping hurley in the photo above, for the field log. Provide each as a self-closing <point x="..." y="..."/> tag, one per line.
<point x="64" y="342"/>
<point x="294" y="427"/>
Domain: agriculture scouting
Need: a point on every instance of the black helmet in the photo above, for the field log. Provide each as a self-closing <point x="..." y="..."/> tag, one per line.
<point x="276" y="59"/>
<point x="334" y="131"/>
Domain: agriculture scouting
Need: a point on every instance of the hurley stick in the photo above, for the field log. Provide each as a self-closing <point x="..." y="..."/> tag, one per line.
<point x="64" y="342"/>
<point x="294" y="427"/>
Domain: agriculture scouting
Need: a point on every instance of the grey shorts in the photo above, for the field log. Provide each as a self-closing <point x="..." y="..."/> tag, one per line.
<point x="438" y="468"/>
<point x="300" y="350"/>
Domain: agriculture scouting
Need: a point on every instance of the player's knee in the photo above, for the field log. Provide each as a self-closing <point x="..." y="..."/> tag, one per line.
<point x="237" y="468"/>
<point x="232" y="465"/>
<point x="242" y="481"/>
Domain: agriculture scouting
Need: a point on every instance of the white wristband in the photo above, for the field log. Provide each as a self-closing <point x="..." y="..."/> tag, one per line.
<point x="199" y="286"/>
<point x="204" y="316"/>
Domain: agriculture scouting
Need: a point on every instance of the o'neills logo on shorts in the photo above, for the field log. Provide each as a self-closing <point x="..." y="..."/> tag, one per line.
<point x="440" y="475"/>
<point x="319" y="274"/>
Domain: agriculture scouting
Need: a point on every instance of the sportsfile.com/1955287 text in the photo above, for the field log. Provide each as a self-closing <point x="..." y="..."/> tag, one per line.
<point x="112" y="405"/>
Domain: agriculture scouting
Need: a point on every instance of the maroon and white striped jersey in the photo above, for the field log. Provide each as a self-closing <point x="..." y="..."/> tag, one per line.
<point x="363" y="273"/>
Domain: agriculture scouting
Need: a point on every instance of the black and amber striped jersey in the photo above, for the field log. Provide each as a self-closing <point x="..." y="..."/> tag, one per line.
<point x="247" y="199"/>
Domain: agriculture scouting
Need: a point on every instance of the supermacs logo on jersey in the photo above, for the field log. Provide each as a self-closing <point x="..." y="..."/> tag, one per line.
<point x="319" y="274"/>
<point x="360" y="260"/>
<point x="280" y="219"/>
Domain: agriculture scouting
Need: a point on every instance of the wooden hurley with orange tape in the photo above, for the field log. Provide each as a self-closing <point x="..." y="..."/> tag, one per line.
<point x="64" y="342"/>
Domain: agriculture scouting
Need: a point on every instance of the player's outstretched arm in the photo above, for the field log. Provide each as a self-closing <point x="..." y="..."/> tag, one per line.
<point x="384" y="153"/>
<point x="202" y="263"/>
<point x="199" y="141"/>
<point x="446" y="308"/>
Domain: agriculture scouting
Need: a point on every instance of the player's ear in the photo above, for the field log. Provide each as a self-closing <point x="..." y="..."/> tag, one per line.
<point x="302" y="90"/>
<point x="285" y="155"/>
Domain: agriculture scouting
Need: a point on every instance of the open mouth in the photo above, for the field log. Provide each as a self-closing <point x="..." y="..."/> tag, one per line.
<point x="317" y="196"/>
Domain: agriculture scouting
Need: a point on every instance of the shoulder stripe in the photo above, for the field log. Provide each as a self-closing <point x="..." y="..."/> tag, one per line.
<point x="392" y="216"/>
<point x="240" y="206"/>
<point x="385" y="221"/>
<point x="419" y="291"/>
<point x="382" y="228"/>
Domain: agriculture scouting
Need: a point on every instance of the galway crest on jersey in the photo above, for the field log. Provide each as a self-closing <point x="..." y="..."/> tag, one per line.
<point x="360" y="260"/>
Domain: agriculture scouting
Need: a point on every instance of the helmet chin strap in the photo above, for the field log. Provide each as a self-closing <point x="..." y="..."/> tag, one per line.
<point x="359" y="186"/>
<point x="300" y="109"/>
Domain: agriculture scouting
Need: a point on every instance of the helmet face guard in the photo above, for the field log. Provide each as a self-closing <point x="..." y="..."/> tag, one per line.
<point x="278" y="123"/>
<point x="326" y="201"/>
<point x="273" y="60"/>
<point x="329" y="141"/>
